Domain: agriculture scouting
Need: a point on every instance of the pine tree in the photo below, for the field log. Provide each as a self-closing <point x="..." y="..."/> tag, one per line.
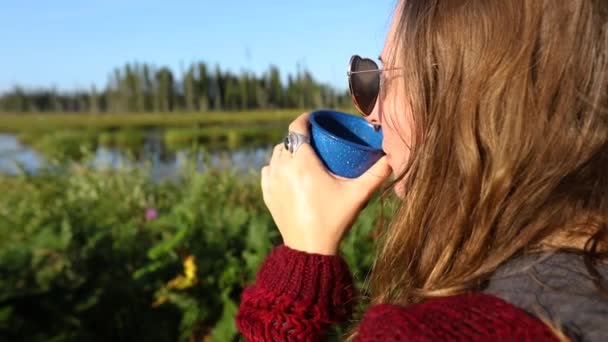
<point x="190" y="90"/>
<point x="203" y="88"/>
<point x="93" y="100"/>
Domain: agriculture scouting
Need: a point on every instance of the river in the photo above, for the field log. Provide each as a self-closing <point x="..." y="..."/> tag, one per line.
<point x="164" y="162"/>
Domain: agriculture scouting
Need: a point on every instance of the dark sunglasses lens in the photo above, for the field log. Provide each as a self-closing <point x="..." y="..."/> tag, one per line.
<point x="364" y="86"/>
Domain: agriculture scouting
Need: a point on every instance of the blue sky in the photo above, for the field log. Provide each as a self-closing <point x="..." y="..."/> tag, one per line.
<point x="76" y="43"/>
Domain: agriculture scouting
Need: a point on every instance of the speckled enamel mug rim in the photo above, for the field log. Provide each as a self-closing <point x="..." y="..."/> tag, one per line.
<point x="313" y="121"/>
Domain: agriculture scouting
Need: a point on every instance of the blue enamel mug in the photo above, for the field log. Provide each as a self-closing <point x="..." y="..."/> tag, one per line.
<point x="347" y="144"/>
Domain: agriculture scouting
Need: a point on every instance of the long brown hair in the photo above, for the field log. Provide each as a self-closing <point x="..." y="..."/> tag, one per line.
<point x="510" y="153"/>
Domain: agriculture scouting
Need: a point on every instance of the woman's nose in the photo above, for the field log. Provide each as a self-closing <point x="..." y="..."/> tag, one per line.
<point x="375" y="117"/>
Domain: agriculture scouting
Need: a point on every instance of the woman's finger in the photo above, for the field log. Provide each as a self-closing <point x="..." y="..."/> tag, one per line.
<point x="265" y="179"/>
<point x="276" y="153"/>
<point x="300" y="125"/>
<point x="306" y="157"/>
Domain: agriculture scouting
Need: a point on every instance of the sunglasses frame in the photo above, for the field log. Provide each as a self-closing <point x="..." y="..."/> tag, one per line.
<point x="350" y="72"/>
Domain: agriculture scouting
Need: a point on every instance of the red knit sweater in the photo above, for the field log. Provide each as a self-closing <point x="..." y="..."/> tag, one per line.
<point x="297" y="296"/>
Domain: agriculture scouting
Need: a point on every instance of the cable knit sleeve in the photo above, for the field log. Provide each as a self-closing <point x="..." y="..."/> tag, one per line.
<point x="296" y="297"/>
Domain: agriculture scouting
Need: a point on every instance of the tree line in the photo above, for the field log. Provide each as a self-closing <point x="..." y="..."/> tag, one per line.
<point x="138" y="87"/>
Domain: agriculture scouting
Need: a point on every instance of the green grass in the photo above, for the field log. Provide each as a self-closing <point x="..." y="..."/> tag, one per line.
<point x="15" y="123"/>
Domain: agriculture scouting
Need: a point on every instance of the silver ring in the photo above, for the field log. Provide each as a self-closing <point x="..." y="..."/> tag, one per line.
<point x="294" y="140"/>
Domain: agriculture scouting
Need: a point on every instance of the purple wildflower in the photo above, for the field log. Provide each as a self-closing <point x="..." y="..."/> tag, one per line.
<point x="151" y="214"/>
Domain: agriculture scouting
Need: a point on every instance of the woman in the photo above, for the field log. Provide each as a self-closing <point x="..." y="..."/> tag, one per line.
<point x="495" y="121"/>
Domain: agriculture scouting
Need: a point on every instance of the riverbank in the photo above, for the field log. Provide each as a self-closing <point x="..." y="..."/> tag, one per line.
<point x="25" y="122"/>
<point x="61" y="135"/>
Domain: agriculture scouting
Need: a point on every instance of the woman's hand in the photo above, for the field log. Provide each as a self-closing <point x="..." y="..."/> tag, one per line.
<point x="313" y="208"/>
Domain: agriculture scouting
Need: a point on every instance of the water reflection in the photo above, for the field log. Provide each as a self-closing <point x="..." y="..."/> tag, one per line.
<point x="13" y="154"/>
<point x="164" y="162"/>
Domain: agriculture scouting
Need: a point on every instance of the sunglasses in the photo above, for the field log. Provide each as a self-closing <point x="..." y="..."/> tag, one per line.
<point x="364" y="83"/>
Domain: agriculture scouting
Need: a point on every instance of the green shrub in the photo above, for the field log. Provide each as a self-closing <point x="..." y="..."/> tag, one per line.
<point x="106" y="138"/>
<point x="28" y="137"/>
<point x="179" y="137"/>
<point x="98" y="255"/>
<point x="125" y="138"/>
<point x="234" y="139"/>
<point x="66" y="145"/>
<point x="225" y="137"/>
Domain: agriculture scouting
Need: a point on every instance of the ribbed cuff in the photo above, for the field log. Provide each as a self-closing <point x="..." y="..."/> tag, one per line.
<point x="313" y="280"/>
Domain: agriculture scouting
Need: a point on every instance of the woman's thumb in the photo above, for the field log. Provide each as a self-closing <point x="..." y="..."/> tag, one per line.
<point x="373" y="177"/>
